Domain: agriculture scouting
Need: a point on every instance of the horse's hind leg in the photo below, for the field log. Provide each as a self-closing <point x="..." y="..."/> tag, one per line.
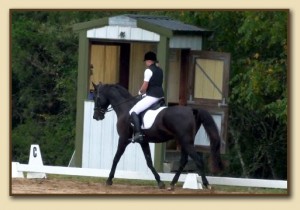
<point x="199" y="163"/>
<point x="147" y="154"/>
<point x="183" y="162"/>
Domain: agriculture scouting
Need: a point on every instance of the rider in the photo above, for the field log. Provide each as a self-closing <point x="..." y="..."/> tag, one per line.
<point x="152" y="88"/>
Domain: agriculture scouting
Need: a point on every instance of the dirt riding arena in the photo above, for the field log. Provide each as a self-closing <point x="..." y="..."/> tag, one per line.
<point x="56" y="186"/>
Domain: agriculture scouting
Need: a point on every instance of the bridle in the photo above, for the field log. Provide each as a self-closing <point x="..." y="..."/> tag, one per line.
<point x="103" y="111"/>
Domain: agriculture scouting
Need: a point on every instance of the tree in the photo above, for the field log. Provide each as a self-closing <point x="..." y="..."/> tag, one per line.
<point x="44" y="72"/>
<point x="259" y="94"/>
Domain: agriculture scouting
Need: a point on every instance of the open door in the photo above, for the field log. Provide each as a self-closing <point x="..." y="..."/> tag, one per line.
<point x="109" y="63"/>
<point x="104" y="64"/>
<point x="208" y="89"/>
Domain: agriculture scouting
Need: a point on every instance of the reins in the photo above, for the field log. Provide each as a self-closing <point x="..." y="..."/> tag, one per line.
<point x="103" y="111"/>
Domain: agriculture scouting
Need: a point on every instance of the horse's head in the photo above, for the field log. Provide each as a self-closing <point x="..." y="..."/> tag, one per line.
<point x="100" y="101"/>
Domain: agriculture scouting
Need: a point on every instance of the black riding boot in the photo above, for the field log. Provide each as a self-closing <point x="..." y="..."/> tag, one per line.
<point x="138" y="137"/>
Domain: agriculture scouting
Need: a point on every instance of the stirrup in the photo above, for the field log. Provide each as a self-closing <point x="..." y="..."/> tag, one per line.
<point x="137" y="138"/>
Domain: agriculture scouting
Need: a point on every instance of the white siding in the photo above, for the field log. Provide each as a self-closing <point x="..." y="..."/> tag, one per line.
<point x="137" y="34"/>
<point x="100" y="141"/>
<point x="131" y="33"/>
<point x="192" y="42"/>
<point x="201" y="137"/>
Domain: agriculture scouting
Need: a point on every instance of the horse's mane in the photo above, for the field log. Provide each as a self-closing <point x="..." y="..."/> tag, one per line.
<point x="123" y="91"/>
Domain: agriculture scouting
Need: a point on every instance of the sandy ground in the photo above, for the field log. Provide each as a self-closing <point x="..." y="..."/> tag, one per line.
<point x="71" y="186"/>
<point x="57" y="186"/>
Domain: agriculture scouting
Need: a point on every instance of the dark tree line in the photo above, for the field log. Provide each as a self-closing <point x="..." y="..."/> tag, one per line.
<point x="44" y="75"/>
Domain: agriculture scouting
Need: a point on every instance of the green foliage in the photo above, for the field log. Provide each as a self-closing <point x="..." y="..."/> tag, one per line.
<point x="44" y="73"/>
<point x="258" y="98"/>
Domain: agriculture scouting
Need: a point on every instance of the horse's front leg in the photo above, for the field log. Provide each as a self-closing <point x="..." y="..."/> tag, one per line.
<point x="147" y="154"/>
<point x="121" y="148"/>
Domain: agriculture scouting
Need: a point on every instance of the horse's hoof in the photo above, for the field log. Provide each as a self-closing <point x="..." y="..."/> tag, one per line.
<point x="161" y="185"/>
<point x="208" y="186"/>
<point x="109" y="182"/>
<point x="171" y="188"/>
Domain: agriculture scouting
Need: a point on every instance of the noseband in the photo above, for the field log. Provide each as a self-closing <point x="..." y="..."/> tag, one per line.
<point x="103" y="111"/>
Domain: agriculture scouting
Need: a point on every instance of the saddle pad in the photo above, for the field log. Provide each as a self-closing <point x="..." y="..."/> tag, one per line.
<point x="149" y="117"/>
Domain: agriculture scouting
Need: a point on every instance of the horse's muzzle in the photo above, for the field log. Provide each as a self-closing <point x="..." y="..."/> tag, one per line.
<point x="98" y="117"/>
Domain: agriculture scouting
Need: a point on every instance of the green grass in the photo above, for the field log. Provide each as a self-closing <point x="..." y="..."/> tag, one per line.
<point x="251" y="190"/>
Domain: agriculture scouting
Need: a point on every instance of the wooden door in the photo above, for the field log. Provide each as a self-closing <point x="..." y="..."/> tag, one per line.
<point x="174" y="76"/>
<point x="137" y="65"/>
<point x="105" y="64"/>
<point x="208" y="89"/>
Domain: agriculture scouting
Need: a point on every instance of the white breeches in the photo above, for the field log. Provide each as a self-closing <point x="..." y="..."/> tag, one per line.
<point x="143" y="104"/>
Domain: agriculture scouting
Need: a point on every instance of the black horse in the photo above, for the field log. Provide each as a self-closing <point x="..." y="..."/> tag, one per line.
<point x="177" y="122"/>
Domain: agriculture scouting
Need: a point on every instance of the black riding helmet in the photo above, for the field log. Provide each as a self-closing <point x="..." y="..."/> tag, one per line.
<point x="150" y="56"/>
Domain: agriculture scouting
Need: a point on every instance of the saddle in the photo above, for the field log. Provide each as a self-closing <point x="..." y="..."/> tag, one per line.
<point x="154" y="108"/>
<point x="161" y="102"/>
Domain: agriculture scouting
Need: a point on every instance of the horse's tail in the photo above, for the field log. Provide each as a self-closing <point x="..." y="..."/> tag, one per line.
<point x="204" y="118"/>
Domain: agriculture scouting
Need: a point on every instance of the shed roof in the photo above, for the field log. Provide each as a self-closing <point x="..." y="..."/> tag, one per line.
<point x="159" y="24"/>
<point x="171" y="24"/>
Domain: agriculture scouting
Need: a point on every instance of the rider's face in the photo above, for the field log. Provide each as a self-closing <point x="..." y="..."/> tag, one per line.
<point x="149" y="62"/>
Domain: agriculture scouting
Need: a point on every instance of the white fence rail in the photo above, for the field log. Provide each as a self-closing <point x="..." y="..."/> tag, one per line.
<point x="36" y="169"/>
<point x="229" y="181"/>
